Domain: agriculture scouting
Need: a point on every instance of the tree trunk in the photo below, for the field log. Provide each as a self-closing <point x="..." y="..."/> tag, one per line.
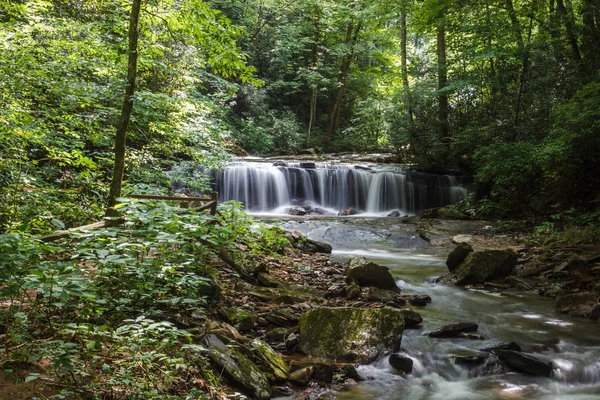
<point x="405" y="86"/>
<point x="315" y="87"/>
<point x="522" y="78"/>
<point x="567" y="18"/>
<point x="590" y="45"/>
<point x="127" y="108"/>
<point x="516" y="25"/>
<point x="334" y="115"/>
<point x="442" y="80"/>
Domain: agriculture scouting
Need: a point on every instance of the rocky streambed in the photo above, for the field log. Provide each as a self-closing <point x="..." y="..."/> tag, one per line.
<point x="369" y="320"/>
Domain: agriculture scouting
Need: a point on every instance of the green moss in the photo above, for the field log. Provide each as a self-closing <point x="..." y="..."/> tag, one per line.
<point x="270" y="359"/>
<point x="350" y="334"/>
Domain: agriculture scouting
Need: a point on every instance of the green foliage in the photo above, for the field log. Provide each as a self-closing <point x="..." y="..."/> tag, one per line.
<point x="106" y="306"/>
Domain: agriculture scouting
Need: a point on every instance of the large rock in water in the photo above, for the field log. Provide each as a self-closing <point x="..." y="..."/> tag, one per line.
<point x="367" y="273"/>
<point x="482" y="266"/>
<point x="238" y="368"/>
<point x="526" y="363"/>
<point x="351" y="334"/>
<point x="458" y="255"/>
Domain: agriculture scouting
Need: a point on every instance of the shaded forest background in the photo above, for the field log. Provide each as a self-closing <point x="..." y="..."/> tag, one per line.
<point x="508" y="89"/>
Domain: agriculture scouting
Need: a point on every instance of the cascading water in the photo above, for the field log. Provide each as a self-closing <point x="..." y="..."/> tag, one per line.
<point x="327" y="188"/>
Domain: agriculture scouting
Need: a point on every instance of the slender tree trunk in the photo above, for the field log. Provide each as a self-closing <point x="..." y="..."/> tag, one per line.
<point x="523" y="77"/>
<point x="334" y="115"/>
<point x="405" y="86"/>
<point x="442" y="80"/>
<point x="315" y="87"/>
<point x="590" y="45"/>
<point x="516" y="25"/>
<point x="127" y="108"/>
<point x="567" y="18"/>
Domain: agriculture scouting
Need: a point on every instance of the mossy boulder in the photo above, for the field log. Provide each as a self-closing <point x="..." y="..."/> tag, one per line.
<point x="238" y="368"/>
<point x="482" y="266"/>
<point x="366" y="273"/>
<point x="458" y="255"/>
<point x="350" y="334"/>
<point x="270" y="359"/>
<point x="313" y="246"/>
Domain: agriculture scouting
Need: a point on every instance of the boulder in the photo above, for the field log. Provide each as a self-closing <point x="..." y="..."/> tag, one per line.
<point x="494" y="346"/>
<point x="394" y="214"/>
<point x="482" y="266"/>
<point x="302" y="376"/>
<point x="525" y="363"/>
<point x="454" y="330"/>
<point x="458" y="255"/>
<point x="401" y="362"/>
<point x="299" y="211"/>
<point x="350" y="334"/>
<point x="268" y="280"/>
<point x="412" y="319"/>
<point x="575" y="302"/>
<point x="270" y="359"/>
<point x="347" y="212"/>
<point x="238" y="368"/>
<point x="313" y="246"/>
<point x="367" y="273"/>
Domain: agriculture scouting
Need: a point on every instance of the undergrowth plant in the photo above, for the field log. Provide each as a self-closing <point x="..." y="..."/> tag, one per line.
<point x="117" y="311"/>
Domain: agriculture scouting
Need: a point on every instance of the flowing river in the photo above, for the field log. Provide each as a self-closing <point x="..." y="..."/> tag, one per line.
<point x="572" y="345"/>
<point x="441" y="368"/>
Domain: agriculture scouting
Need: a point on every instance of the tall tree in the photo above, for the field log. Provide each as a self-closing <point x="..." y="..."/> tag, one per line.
<point x="442" y="68"/>
<point x="127" y="108"/>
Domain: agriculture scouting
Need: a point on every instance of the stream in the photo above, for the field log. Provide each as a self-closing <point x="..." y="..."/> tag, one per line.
<point x="572" y="345"/>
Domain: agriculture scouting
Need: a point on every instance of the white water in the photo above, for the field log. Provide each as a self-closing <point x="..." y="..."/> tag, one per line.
<point x="274" y="188"/>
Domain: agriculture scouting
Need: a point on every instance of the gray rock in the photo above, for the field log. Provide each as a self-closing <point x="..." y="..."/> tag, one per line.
<point x="238" y="368"/>
<point x="292" y="341"/>
<point x="482" y="266"/>
<point x="493" y="346"/>
<point x="525" y="363"/>
<point x="401" y="362"/>
<point x="412" y="319"/>
<point x="297" y="211"/>
<point x="394" y="214"/>
<point x="350" y="334"/>
<point x="453" y="330"/>
<point x="458" y="255"/>
<point x="367" y="273"/>
<point x="270" y="359"/>
<point x="313" y="246"/>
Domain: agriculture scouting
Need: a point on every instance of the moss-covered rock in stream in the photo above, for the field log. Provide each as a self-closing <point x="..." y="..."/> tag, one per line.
<point x="481" y="267"/>
<point x="350" y="334"/>
<point x="238" y="368"/>
<point x="270" y="359"/>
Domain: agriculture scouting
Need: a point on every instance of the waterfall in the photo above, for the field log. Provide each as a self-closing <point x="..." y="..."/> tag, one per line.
<point x="327" y="188"/>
